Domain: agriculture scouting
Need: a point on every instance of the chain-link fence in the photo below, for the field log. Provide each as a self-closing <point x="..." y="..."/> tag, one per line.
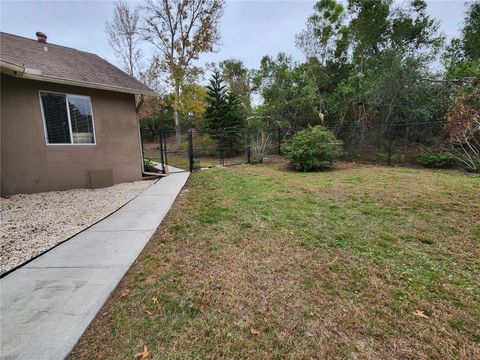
<point x="162" y="148"/>
<point x="391" y="144"/>
<point x="370" y="143"/>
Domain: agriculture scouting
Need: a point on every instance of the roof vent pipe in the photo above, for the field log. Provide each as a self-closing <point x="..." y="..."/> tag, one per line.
<point x="41" y="37"/>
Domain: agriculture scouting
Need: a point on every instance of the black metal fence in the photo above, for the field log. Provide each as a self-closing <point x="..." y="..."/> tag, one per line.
<point x="393" y="143"/>
<point x="162" y="148"/>
<point x="194" y="149"/>
<point x="381" y="144"/>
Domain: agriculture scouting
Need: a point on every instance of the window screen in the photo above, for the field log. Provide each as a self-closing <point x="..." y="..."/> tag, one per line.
<point x="68" y="118"/>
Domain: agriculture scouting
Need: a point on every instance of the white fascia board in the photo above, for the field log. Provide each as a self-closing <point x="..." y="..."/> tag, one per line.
<point x="35" y="74"/>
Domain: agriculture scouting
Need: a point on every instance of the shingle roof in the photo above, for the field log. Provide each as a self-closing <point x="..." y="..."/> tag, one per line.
<point x="67" y="65"/>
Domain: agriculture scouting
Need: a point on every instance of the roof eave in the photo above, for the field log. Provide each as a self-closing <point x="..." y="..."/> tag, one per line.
<point x="34" y="74"/>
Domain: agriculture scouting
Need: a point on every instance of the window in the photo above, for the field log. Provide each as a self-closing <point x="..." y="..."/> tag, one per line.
<point x="68" y="118"/>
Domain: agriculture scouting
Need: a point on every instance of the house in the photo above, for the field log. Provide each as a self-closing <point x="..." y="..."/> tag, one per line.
<point x="68" y="118"/>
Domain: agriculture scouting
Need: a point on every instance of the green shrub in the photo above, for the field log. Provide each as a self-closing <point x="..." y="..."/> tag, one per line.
<point x="182" y="148"/>
<point x="148" y="166"/>
<point x="314" y="148"/>
<point x="147" y="134"/>
<point x="204" y="145"/>
<point x="395" y="157"/>
<point x="439" y="160"/>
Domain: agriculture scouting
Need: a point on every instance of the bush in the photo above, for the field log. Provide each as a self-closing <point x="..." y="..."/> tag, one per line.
<point x="314" y="148"/>
<point x="439" y="160"/>
<point x="395" y="157"/>
<point x="148" y="166"/>
<point x="204" y="145"/>
<point x="147" y="134"/>
<point x="464" y="130"/>
<point x="260" y="145"/>
<point x="182" y="148"/>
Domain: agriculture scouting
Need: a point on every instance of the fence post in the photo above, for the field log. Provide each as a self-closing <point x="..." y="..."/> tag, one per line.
<point x="165" y="152"/>
<point x="162" y="148"/>
<point x="279" y="140"/>
<point x="222" y="146"/>
<point x="248" y="147"/>
<point x="190" y="150"/>
<point x="390" y="141"/>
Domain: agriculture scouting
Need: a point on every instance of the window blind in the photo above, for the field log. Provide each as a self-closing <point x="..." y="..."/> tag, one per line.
<point x="68" y="118"/>
<point x="56" y="118"/>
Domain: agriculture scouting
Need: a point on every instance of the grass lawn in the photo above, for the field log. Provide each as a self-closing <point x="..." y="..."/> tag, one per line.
<point x="260" y="262"/>
<point x="181" y="161"/>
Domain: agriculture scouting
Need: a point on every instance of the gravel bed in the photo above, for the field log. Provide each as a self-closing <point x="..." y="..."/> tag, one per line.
<point x="33" y="223"/>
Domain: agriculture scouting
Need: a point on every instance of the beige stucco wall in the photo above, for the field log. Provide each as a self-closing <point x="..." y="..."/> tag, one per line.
<point x="29" y="165"/>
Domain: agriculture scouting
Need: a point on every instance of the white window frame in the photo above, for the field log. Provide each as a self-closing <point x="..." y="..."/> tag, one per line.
<point x="69" y="119"/>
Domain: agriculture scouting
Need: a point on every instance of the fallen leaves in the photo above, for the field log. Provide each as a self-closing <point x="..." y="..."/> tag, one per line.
<point x="155" y="302"/>
<point x="124" y="292"/>
<point x="254" y="331"/>
<point x="160" y="290"/>
<point x="142" y="355"/>
<point x="203" y="305"/>
<point x="421" y="314"/>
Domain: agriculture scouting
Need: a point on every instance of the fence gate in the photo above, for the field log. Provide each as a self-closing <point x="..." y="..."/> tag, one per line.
<point x="232" y="147"/>
<point x="153" y="150"/>
<point x="197" y="149"/>
<point x="162" y="148"/>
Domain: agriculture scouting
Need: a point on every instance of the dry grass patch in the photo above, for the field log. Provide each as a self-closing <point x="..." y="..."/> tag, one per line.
<point x="259" y="262"/>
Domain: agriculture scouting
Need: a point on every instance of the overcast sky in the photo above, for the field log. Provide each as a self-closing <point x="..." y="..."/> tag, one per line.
<point x="249" y="29"/>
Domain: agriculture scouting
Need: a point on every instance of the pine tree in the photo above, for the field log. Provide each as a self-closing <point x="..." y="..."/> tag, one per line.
<point x="215" y="113"/>
<point x="224" y="117"/>
<point x="235" y="124"/>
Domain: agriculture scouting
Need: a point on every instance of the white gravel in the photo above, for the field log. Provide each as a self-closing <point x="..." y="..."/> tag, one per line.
<point x="33" y="223"/>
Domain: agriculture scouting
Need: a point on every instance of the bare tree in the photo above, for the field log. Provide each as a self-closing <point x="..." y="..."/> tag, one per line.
<point x="261" y="144"/>
<point x="464" y="129"/>
<point x="181" y="30"/>
<point x="124" y="37"/>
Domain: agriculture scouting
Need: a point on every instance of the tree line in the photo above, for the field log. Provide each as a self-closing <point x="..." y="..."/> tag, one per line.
<point x="371" y="65"/>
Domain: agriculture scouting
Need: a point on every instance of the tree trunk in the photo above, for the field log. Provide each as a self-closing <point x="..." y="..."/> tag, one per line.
<point x="178" y="134"/>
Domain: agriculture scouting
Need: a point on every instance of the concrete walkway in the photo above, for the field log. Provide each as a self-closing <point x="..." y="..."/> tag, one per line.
<point x="47" y="304"/>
